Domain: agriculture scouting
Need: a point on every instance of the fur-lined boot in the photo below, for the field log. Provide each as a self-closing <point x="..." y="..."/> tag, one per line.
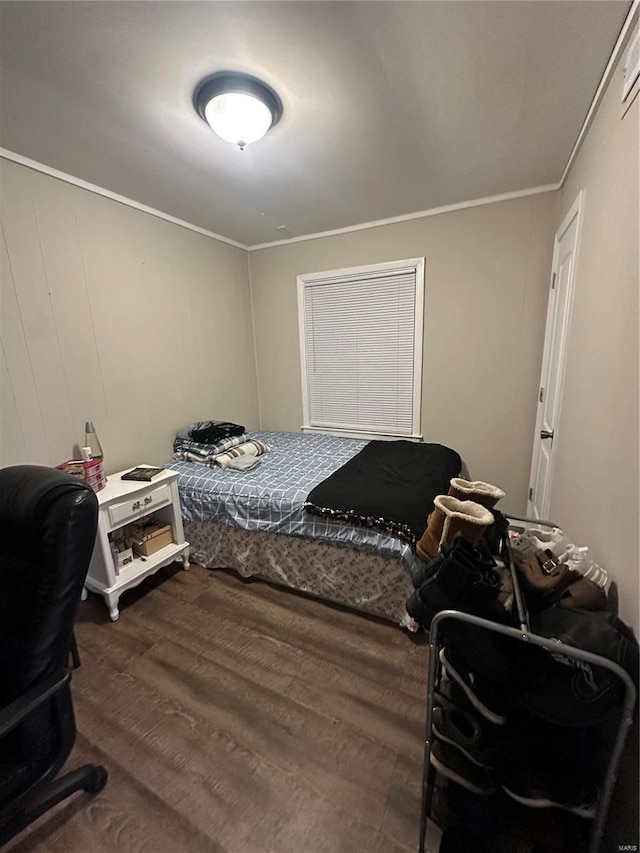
<point x="449" y="517"/>
<point x="468" y="518"/>
<point x="477" y="491"/>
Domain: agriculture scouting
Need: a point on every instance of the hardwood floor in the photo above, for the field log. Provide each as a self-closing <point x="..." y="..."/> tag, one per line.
<point x="236" y="717"/>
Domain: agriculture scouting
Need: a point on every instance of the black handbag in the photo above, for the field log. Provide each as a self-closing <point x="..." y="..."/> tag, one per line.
<point x="573" y="692"/>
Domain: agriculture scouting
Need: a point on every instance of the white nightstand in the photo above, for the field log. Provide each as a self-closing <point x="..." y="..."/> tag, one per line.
<point x="124" y="501"/>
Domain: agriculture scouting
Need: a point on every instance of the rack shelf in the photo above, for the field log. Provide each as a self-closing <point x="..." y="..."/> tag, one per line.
<point x="525" y="635"/>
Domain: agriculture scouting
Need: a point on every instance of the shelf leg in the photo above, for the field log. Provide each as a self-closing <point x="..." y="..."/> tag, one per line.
<point x="112" y="604"/>
<point x="84" y="594"/>
<point x="185" y="561"/>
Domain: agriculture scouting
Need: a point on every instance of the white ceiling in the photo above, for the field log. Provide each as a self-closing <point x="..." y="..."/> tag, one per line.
<point x="389" y="107"/>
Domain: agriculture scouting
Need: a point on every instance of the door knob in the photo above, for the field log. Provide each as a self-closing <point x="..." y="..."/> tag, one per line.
<point x="546" y="433"/>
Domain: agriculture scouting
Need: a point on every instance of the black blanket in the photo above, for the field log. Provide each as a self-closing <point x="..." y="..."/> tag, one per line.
<point x="389" y="485"/>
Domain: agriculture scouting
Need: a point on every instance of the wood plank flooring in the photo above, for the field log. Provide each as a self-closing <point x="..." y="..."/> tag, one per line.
<point x="236" y="717"/>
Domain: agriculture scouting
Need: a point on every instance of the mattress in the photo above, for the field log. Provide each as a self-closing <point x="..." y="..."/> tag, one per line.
<point x="358" y="578"/>
<point x="270" y="497"/>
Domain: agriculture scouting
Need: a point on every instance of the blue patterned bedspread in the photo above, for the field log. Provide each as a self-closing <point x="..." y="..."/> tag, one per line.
<point x="270" y="496"/>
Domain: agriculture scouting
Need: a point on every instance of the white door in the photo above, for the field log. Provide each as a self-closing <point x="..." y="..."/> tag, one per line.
<point x="550" y="392"/>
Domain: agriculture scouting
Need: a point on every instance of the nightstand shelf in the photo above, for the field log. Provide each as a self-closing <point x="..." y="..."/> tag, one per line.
<point x="122" y="502"/>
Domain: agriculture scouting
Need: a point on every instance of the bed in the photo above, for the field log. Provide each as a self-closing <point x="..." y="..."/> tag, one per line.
<point x="255" y="523"/>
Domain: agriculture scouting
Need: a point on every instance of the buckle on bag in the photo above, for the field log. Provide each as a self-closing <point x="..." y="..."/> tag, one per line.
<point x="549" y="565"/>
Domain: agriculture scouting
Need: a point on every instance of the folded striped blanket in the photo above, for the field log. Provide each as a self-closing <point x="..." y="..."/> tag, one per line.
<point x="191" y="451"/>
<point x="204" y="451"/>
<point x="249" y="448"/>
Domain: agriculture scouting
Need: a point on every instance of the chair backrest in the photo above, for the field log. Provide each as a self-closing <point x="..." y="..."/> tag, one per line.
<point x="48" y="523"/>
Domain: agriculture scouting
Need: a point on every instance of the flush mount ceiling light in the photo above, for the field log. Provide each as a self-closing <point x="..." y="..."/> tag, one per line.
<point x="238" y="107"/>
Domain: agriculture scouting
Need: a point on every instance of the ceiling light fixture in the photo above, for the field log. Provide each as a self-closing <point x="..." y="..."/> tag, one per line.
<point x="238" y="107"/>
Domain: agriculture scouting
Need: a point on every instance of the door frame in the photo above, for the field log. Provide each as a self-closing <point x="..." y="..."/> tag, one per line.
<point x="576" y="210"/>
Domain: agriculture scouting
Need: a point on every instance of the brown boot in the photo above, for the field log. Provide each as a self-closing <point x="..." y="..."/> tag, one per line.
<point x="468" y="518"/>
<point x="477" y="491"/>
<point x="428" y="546"/>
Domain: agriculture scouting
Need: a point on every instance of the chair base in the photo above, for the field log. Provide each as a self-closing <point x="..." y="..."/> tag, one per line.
<point x="17" y="816"/>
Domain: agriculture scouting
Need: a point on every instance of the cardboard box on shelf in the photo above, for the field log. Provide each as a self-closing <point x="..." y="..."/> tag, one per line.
<point x="122" y="554"/>
<point x="121" y="558"/>
<point x="147" y="537"/>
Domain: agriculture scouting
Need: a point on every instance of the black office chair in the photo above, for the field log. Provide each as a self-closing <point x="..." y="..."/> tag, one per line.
<point x="47" y="529"/>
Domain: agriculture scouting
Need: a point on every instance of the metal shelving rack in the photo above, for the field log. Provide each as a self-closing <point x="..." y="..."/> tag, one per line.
<point x="524" y="634"/>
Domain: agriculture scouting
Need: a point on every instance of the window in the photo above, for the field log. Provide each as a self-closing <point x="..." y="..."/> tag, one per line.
<point x="361" y="349"/>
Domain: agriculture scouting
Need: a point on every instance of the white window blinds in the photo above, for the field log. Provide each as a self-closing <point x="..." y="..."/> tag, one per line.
<point x="361" y="353"/>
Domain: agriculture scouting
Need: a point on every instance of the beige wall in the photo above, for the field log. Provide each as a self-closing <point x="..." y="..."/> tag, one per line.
<point x="595" y="481"/>
<point x="111" y="314"/>
<point x="487" y="274"/>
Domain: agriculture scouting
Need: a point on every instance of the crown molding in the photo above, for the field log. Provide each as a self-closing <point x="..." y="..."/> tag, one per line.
<point x="129" y="202"/>
<point x="420" y="214"/>
<point x="434" y="211"/>
<point x="621" y="43"/>
<point x="623" y="38"/>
